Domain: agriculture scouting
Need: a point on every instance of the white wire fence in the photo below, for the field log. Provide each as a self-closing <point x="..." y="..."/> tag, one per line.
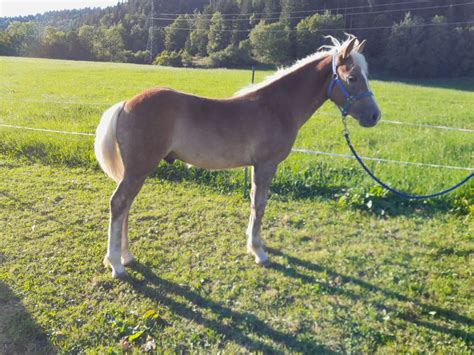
<point x="295" y="150"/>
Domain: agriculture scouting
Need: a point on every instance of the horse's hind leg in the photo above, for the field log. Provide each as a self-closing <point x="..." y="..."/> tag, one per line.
<point x="262" y="176"/>
<point x="127" y="257"/>
<point x="120" y="203"/>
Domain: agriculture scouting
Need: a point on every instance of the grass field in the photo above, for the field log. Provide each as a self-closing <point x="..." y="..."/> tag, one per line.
<point x="347" y="276"/>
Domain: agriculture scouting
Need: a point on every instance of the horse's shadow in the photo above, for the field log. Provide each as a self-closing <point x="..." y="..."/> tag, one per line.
<point x="164" y="292"/>
<point x="448" y="315"/>
<point x="19" y="333"/>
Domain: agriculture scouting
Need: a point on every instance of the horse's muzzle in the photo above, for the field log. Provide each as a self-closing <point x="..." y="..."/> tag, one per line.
<point x="370" y="120"/>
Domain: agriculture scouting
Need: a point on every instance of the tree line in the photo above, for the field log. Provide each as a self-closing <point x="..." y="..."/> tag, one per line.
<point x="416" y="38"/>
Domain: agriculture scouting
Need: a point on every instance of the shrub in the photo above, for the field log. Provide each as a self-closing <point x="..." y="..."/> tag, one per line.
<point x="138" y="57"/>
<point x="232" y="56"/>
<point x="167" y="58"/>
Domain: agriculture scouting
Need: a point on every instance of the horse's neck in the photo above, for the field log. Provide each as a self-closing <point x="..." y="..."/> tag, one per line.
<point x="302" y="92"/>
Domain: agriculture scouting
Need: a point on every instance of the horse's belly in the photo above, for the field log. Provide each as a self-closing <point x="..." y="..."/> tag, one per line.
<point x="213" y="159"/>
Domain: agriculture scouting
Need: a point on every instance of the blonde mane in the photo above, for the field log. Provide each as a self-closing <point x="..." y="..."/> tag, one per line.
<point x="323" y="51"/>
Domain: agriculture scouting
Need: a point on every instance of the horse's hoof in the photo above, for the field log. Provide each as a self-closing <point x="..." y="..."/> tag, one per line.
<point x="119" y="275"/>
<point x="117" y="272"/>
<point x="128" y="260"/>
<point x="266" y="263"/>
<point x="130" y="263"/>
<point x="261" y="258"/>
<point x="106" y="262"/>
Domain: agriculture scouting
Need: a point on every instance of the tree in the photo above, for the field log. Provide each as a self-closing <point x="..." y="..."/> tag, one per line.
<point x="158" y="44"/>
<point x="111" y="44"/>
<point x="218" y="37"/>
<point x="271" y="43"/>
<point x="310" y="32"/>
<point x="86" y="37"/>
<point x="461" y="56"/>
<point x="403" y="51"/>
<point x="54" y="44"/>
<point x="291" y="9"/>
<point x="105" y="44"/>
<point x="77" y="49"/>
<point x="436" y="46"/>
<point x="198" y="38"/>
<point x="5" y="45"/>
<point x="376" y="40"/>
<point x="271" y="10"/>
<point x="23" y="38"/>
<point x="176" y="34"/>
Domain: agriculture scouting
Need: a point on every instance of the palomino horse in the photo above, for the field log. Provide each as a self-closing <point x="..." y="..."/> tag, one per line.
<point x="257" y="127"/>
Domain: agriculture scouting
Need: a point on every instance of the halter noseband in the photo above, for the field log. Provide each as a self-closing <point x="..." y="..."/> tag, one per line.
<point x="349" y="99"/>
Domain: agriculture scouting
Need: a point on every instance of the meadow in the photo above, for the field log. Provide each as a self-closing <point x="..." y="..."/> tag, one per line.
<point x="354" y="269"/>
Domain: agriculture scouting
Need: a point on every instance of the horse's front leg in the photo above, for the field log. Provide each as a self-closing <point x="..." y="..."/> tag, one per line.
<point x="262" y="176"/>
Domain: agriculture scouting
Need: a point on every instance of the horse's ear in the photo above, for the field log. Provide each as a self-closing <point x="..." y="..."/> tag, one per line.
<point x="360" y="47"/>
<point x="348" y="49"/>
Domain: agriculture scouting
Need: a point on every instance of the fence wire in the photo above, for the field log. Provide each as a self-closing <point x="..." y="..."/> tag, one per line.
<point x="295" y="150"/>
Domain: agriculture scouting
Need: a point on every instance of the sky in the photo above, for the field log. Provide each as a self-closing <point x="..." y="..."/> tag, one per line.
<point x="9" y="8"/>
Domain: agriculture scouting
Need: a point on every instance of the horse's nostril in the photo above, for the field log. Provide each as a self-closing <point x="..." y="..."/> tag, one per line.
<point x="375" y="117"/>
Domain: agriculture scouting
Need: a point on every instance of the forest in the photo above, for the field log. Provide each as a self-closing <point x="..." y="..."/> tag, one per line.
<point x="412" y="39"/>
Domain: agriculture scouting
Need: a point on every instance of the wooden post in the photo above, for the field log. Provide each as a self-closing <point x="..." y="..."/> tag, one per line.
<point x="246" y="169"/>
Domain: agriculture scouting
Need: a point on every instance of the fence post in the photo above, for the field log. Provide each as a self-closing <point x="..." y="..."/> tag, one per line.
<point x="246" y="169"/>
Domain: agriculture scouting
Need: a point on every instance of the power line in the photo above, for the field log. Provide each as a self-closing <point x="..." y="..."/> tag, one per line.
<point x="327" y="29"/>
<point x="305" y="11"/>
<point x="346" y="14"/>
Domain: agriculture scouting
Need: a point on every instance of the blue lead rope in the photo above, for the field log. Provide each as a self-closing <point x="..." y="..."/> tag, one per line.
<point x="349" y="99"/>
<point x="396" y="192"/>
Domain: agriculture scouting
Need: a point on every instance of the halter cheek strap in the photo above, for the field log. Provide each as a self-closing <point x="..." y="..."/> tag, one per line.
<point x="349" y="99"/>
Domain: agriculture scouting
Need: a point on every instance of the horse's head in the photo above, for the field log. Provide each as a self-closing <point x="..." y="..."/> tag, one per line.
<point x="349" y="88"/>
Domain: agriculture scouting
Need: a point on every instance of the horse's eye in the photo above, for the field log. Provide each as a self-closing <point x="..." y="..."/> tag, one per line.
<point x="352" y="79"/>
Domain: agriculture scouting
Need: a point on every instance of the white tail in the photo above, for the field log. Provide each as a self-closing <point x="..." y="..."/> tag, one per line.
<point x="106" y="147"/>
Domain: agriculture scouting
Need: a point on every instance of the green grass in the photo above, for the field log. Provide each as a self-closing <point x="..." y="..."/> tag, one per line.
<point x="30" y="87"/>
<point x="341" y="280"/>
<point x="353" y="269"/>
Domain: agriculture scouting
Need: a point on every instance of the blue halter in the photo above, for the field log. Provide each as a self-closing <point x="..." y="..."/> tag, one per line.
<point x="349" y="99"/>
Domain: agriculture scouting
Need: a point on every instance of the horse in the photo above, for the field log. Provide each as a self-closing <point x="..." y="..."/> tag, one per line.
<point x="256" y="127"/>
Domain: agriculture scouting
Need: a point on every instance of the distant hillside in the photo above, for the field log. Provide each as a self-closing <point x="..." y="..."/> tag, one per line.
<point x="73" y="19"/>
<point x="417" y="38"/>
